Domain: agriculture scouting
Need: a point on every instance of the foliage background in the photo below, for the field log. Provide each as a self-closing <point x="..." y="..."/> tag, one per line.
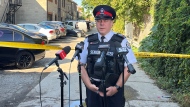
<point x="127" y="10"/>
<point x="170" y="34"/>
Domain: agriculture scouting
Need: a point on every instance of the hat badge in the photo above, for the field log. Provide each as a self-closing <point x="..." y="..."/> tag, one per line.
<point x="101" y="11"/>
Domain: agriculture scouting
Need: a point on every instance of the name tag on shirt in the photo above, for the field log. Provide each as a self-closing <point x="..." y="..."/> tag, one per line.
<point x="97" y="52"/>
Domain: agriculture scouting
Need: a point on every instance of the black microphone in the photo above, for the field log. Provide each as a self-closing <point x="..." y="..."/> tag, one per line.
<point x="129" y="65"/>
<point x="78" y="49"/>
<point x="103" y="47"/>
<point x="123" y="51"/>
<point x="59" y="56"/>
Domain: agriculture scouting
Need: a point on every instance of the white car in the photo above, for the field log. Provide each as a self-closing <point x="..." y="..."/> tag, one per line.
<point x="44" y="29"/>
<point x="81" y="25"/>
<point x="58" y="24"/>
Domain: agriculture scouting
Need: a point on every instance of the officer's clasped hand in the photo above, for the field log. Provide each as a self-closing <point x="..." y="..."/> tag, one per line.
<point x="110" y="91"/>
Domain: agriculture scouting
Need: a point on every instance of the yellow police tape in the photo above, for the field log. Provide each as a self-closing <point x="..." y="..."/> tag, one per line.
<point x="28" y="46"/>
<point x="50" y="47"/>
<point x="153" y="55"/>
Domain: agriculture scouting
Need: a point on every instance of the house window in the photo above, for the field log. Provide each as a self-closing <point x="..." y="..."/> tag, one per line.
<point x="55" y="1"/>
<point x="50" y="16"/>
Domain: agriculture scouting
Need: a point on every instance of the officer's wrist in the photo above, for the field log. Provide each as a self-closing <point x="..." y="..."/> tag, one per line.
<point x="82" y="64"/>
<point x="117" y="87"/>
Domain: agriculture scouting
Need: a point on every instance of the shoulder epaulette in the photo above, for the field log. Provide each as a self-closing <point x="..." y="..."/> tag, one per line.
<point x="118" y="37"/>
<point x="92" y="37"/>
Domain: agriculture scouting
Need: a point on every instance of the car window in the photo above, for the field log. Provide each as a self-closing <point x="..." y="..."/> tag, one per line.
<point x="61" y="25"/>
<point x="53" y="25"/>
<point x="70" y="27"/>
<point x="20" y="28"/>
<point x="6" y="35"/>
<point x="18" y="36"/>
<point x="70" y="23"/>
<point x="30" y="27"/>
<point x="46" y="26"/>
<point x="37" y="28"/>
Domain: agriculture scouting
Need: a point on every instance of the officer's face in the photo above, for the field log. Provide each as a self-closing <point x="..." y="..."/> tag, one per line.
<point x="104" y="26"/>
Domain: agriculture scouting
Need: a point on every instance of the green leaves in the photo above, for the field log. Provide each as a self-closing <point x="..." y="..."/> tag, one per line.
<point x="170" y="34"/>
<point x="128" y="10"/>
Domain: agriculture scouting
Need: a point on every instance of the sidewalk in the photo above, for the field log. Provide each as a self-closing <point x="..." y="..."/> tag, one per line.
<point x="140" y="90"/>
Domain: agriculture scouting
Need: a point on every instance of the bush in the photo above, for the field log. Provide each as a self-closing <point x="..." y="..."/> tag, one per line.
<point x="170" y="34"/>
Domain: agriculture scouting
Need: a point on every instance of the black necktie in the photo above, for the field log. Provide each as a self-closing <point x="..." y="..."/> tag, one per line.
<point x="102" y="39"/>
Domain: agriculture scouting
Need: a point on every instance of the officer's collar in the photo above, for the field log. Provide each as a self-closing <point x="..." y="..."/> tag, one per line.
<point x="107" y="36"/>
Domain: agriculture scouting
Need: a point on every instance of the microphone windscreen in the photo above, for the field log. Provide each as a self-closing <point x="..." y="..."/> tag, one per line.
<point x="67" y="49"/>
<point x="82" y="43"/>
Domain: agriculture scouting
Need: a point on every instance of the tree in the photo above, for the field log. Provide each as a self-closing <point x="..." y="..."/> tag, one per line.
<point x="127" y="10"/>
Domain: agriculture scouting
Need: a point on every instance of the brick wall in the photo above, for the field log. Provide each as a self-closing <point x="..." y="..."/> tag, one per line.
<point x="32" y="11"/>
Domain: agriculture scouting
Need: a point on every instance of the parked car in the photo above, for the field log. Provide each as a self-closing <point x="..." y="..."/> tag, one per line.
<point x="22" y="58"/>
<point x="44" y="29"/>
<point x="74" y="32"/>
<point x="73" y="23"/>
<point x="81" y="25"/>
<point x="58" y="24"/>
<point x="44" y="37"/>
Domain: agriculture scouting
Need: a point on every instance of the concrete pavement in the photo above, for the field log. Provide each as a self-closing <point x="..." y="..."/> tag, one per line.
<point x="140" y="90"/>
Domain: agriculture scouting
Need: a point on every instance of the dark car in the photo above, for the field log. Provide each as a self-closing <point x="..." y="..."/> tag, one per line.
<point x="74" y="32"/>
<point x="22" y="58"/>
<point x="17" y="27"/>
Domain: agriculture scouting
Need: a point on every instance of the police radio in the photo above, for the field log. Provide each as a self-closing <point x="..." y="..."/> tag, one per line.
<point x="123" y="51"/>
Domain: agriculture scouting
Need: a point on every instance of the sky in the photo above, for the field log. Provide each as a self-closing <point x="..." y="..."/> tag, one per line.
<point x="79" y="2"/>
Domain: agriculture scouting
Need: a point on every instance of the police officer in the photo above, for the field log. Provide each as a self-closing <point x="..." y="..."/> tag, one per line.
<point x="104" y="17"/>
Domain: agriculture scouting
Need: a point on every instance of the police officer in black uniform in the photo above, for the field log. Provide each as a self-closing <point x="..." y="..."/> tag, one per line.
<point x="115" y="66"/>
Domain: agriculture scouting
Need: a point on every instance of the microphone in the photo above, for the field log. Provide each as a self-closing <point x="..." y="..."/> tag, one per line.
<point x="123" y="51"/>
<point x="59" y="56"/>
<point x="103" y="47"/>
<point x="129" y="66"/>
<point x="78" y="49"/>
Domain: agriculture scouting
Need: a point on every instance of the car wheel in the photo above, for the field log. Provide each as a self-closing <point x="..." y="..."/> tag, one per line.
<point x="79" y="35"/>
<point x="24" y="60"/>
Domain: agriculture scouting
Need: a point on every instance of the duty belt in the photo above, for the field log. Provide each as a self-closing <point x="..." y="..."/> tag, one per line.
<point x="94" y="79"/>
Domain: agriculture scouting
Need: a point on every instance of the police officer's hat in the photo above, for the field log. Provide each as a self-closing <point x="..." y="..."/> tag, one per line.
<point x="104" y="12"/>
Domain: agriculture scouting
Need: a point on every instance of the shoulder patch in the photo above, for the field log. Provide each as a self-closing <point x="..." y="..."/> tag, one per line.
<point x="128" y="45"/>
